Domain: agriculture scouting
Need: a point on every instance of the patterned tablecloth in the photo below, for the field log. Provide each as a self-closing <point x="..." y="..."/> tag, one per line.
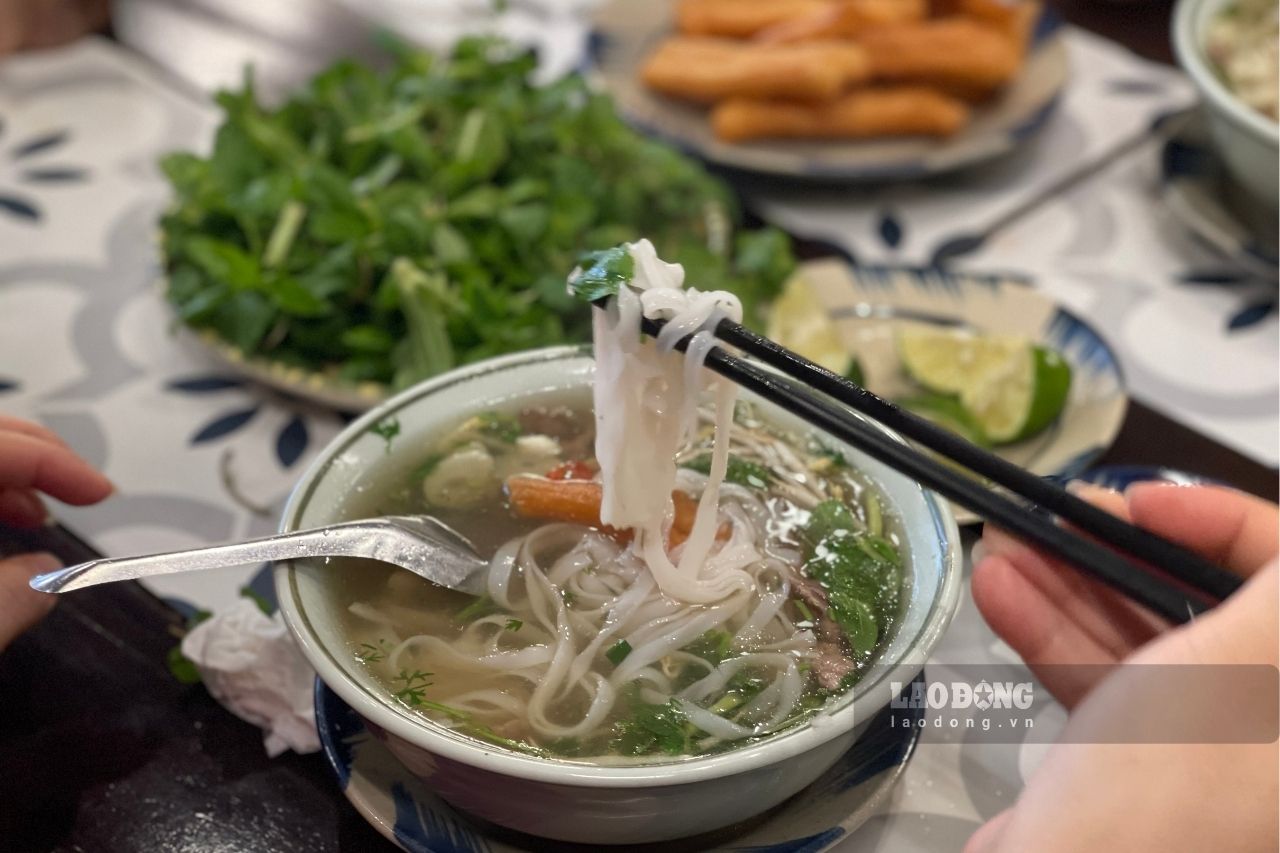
<point x="89" y="348"/>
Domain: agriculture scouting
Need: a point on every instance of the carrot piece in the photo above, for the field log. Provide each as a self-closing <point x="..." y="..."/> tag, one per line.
<point x="686" y="511"/>
<point x="578" y="502"/>
<point x="572" y="501"/>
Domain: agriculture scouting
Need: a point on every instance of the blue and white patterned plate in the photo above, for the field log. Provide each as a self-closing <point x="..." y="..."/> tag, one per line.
<point x="401" y="807"/>
<point x="627" y="31"/>
<point x="869" y="303"/>
<point x="1120" y="477"/>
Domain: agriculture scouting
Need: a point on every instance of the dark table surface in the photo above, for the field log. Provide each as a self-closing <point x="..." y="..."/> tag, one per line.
<point x="102" y="750"/>
<point x="1140" y="25"/>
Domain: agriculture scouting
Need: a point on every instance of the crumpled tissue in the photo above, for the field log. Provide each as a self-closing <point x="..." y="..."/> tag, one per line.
<point x="251" y="665"/>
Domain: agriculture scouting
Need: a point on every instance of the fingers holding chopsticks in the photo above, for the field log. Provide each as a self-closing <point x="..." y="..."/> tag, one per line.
<point x="1235" y="530"/>
<point x="1053" y="615"/>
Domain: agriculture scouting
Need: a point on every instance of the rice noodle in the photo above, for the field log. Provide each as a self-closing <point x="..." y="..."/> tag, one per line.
<point x="643" y="394"/>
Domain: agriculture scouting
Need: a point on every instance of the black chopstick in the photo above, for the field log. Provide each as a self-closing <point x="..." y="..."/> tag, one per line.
<point x="1147" y="589"/>
<point x="1174" y="560"/>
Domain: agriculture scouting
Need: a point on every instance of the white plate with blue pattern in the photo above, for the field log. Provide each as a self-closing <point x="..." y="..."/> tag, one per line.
<point x="626" y="32"/>
<point x="403" y="809"/>
<point x="868" y="304"/>
<point x="1117" y="478"/>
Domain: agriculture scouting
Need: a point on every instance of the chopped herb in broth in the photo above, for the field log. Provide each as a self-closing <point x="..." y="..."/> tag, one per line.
<point x="524" y="486"/>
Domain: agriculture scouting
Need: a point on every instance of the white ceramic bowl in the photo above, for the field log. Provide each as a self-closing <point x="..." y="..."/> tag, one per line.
<point x="574" y="801"/>
<point x="1245" y="139"/>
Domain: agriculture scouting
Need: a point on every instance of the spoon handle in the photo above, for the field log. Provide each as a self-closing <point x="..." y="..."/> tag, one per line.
<point x="336" y="541"/>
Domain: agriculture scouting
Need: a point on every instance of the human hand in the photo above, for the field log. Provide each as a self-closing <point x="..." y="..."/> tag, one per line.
<point x="33" y="460"/>
<point x="27" y="24"/>
<point x="1099" y="791"/>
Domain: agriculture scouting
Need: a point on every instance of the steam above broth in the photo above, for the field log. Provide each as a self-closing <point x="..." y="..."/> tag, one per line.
<point x="669" y="576"/>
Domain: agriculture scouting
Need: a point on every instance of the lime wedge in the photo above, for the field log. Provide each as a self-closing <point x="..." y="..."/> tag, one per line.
<point x="1010" y="388"/>
<point x="947" y="361"/>
<point x="947" y="413"/>
<point x="1021" y="399"/>
<point x="799" y="322"/>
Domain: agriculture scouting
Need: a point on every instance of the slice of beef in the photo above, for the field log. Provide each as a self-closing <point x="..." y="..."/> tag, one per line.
<point x="811" y="593"/>
<point x="831" y="664"/>
<point x="576" y="433"/>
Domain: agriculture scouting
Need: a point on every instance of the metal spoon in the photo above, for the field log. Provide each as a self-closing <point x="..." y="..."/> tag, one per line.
<point x="418" y="543"/>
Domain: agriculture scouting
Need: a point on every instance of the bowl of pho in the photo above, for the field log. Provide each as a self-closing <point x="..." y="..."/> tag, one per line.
<point x="693" y="604"/>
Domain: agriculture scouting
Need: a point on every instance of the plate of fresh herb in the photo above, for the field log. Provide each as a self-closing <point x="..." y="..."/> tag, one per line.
<point x="382" y="227"/>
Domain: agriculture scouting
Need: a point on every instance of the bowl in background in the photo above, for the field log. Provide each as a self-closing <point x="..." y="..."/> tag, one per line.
<point x="574" y="801"/>
<point x="1246" y="140"/>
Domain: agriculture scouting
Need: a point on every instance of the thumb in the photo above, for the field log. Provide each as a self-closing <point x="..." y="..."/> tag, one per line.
<point x="987" y="838"/>
<point x="21" y="606"/>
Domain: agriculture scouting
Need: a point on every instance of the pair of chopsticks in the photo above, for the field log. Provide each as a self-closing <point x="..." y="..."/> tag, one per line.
<point x="1174" y="583"/>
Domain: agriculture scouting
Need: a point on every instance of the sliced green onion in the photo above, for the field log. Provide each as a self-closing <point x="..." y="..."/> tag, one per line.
<point x="618" y="652"/>
<point x="875" y="518"/>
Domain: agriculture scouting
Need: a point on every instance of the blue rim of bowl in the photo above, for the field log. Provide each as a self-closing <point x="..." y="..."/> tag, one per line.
<point x="1049" y="25"/>
<point x="934" y="625"/>
<point x="890" y="747"/>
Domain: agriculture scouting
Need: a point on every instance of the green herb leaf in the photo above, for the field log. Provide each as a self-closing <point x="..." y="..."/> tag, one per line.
<point x="738" y="470"/>
<point x="824" y="458"/>
<point x="618" y="652"/>
<point x="805" y="612"/>
<point x="602" y="273"/>
<point x="856" y="619"/>
<point x="715" y="646"/>
<point x="652" y="728"/>
<point x="482" y="606"/>
<point x="225" y="262"/>
<point x="386" y="429"/>
<point x="854" y="373"/>
<point x="426" y="350"/>
<point x="826" y="518"/>
<point x="499" y="425"/>
<point x="181" y="667"/>
<point x="863" y="578"/>
<point x="251" y="594"/>
<point x="426" y="467"/>
<point x="373" y="653"/>
<point x="514" y="625"/>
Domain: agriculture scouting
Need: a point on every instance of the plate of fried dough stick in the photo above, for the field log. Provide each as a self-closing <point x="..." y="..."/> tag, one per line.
<point x="853" y="90"/>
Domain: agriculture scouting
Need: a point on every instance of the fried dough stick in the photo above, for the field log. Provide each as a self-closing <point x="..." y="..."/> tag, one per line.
<point x="845" y="19"/>
<point x="1015" y="19"/>
<point x="739" y="18"/>
<point x="961" y="56"/>
<point x="710" y="69"/>
<point x="904" y="111"/>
